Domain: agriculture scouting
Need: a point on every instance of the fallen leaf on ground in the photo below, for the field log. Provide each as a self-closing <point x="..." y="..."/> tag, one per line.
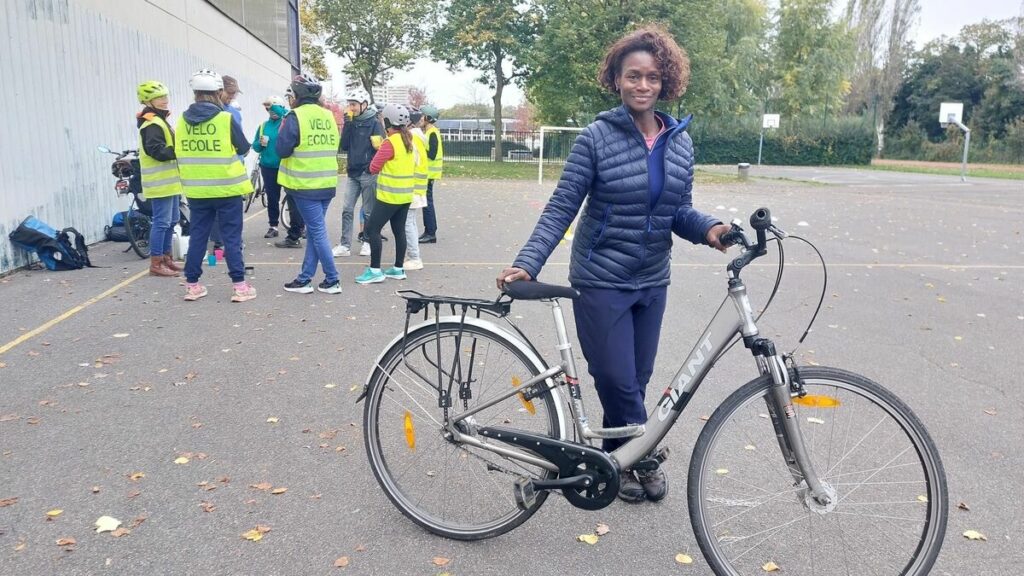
<point x="440" y="561"/>
<point x="330" y="385"/>
<point x="95" y="489"/>
<point x="181" y="460"/>
<point x="54" y="513"/>
<point x="272" y="419"/>
<point x="722" y="471"/>
<point x="262" y="486"/>
<point x="814" y="420"/>
<point x="280" y="490"/>
<point x="134" y="494"/>
<point x="120" y="532"/>
<point x="602" y="529"/>
<point x="354" y="388"/>
<point x="121" y="335"/>
<point x="341" y="562"/>
<point x="256" y="534"/>
<point x="684" y="559"/>
<point x="991" y="411"/>
<point x="360" y="548"/>
<point x="8" y="501"/>
<point x="107" y="524"/>
<point x="588" y="538"/>
<point x="137" y="521"/>
<point x="974" y="535"/>
<point x="9" y="417"/>
<point x="137" y="475"/>
<point x="770" y="567"/>
<point x="963" y="506"/>
<point x="66" y="542"/>
<point x="207" y="507"/>
<point x="19" y="547"/>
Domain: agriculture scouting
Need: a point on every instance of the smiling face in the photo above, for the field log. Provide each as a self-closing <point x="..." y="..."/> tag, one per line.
<point x="639" y="81"/>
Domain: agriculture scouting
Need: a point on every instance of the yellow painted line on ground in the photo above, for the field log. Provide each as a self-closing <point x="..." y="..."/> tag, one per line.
<point x="765" y="265"/>
<point x="37" y="331"/>
<point x="251" y="216"/>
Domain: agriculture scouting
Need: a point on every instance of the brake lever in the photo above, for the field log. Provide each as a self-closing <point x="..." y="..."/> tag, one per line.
<point x="778" y="232"/>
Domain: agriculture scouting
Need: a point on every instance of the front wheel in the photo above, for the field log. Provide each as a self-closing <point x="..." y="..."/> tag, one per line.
<point x="138" y="225"/>
<point x="889" y="499"/>
<point x="451" y="488"/>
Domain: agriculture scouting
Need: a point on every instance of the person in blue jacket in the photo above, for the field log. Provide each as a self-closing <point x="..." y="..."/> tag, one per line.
<point x="265" y="143"/>
<point x="631" y="171"/>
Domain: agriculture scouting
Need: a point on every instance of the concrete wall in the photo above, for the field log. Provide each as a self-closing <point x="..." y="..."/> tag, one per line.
<point x="69" y="69"/>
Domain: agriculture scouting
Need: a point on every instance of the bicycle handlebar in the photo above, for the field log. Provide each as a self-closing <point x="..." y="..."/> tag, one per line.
<point x="761" y="222"/>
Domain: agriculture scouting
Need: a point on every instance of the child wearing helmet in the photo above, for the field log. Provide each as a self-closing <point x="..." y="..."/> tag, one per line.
<point x="395" y="167"/>
<point x="161" y="184"/>
<point x="214" y="181"/>
<point x="269" y="162"/>
<point x="360" y="138"/>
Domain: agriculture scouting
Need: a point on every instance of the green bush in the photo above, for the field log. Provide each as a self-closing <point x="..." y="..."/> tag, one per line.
<point x="837" y="141"/>
<point x="911" y="143"/>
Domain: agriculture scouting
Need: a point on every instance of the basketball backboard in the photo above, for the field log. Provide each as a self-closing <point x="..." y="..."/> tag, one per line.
<point x="948" y="109"/>
<point x="770" y="121"/>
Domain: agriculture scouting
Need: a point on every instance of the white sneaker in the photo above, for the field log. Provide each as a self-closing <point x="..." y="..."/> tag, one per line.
<point x="414" y="264"/>
<point x="340" y="251"/>
<point x="365" y="250"/>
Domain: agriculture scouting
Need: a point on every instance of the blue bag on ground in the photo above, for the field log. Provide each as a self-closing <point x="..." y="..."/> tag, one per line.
<point x="55" y="249"/>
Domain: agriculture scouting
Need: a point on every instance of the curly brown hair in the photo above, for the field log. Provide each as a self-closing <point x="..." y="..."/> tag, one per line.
<point x="655" y="40"/>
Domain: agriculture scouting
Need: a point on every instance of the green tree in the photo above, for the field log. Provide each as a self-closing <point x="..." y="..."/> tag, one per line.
<point x="813" y="55"/>
<point x="490" y="36"/>
<point x="311" y="41"/>
<point x="375" y="37"/>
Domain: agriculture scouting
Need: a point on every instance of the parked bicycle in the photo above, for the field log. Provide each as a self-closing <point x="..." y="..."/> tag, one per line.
<point x="138" y="220"/>
<point x="813" y="469"/>
<point x="258" y="193"/>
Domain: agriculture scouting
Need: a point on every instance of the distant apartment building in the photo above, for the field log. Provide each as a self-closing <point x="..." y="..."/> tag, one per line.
<point x="383" y="95"/>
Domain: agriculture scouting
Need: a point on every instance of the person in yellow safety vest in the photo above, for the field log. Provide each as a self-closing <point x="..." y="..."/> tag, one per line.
<point x="413" y="260"/>
<point x="161" y="185"/>
<point x="214" y="181"/>
<point x="435" y="166"/>
<point x="307" y="143"/>
<point x="395" y="167"/>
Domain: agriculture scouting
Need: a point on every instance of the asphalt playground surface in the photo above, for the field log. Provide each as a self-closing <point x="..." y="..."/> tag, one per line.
<point x="107" y="377"/>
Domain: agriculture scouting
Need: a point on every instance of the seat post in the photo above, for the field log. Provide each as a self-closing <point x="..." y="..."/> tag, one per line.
<point x="564" y="346"/>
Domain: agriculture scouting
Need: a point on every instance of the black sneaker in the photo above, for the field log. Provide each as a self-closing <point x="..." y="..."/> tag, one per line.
<point x="428" y="239"/>
<point x="654" y="482"/>
<point x="299" y="287"/>
<point x="289" y="243"/>
<point x="326" y="288"/>
<point x="271" y="233"/>
<point x="630" y="489"/>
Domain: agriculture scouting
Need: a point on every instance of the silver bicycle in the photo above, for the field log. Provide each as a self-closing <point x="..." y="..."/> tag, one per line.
<point x="817" y="470"/>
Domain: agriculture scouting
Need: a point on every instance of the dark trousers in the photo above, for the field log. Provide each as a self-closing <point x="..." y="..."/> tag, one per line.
<point x="295" y="221"/>
<point x="202" y="213"/>
<point x="273" y="191"/>
<point x="429" y="216"/>
<point x="618" y="332"/>
<point x="384" y="212"/>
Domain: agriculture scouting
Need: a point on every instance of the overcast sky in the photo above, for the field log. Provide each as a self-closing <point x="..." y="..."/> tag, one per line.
<point x="445" y="88"/>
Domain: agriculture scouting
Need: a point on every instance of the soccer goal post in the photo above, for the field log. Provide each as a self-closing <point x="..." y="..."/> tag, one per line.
<point x="540" y="158"/>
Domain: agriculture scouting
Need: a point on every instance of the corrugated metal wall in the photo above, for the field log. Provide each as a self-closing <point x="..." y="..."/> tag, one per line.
<point x="68" y="77"/>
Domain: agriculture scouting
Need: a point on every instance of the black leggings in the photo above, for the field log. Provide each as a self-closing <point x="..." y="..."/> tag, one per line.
<point x="383" y="212"/>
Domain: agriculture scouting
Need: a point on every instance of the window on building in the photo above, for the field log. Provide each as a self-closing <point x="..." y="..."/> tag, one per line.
<point x="273" y="22"/>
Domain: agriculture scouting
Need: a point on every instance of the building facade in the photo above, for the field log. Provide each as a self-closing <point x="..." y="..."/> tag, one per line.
<point x="71" y="70"/>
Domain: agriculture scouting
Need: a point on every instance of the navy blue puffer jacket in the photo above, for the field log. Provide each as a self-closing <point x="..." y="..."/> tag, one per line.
<point x="622" y="241"/>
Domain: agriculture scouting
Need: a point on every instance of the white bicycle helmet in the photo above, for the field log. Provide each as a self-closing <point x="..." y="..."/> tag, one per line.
<point x="396" y="114"/>
<point x="275" y="100"/>
<point x="206" y="81"/>
<point x="358" y="95"/>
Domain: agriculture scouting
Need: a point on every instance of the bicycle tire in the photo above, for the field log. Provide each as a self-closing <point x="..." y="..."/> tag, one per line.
<point x="724" y="463"/>
<point x="457" y="482"/>
<point x="285" y="214"/>
<point x="138" y="225"/>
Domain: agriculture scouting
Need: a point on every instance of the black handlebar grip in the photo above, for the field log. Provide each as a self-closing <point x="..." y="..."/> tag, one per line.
<point x="761" y="219"/>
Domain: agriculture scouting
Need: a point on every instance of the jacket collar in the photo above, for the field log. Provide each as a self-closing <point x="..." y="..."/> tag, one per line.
<point x="620" y="118"/>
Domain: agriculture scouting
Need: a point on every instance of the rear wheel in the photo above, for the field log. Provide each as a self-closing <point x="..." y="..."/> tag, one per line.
<point x="138" y="225"/>
<point x="872" y="454"/>
<point x="450" y="488"/>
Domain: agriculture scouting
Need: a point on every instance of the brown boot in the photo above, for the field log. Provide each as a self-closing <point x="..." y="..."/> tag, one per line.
<point x="157" y="267"/>
<point x="170" y="263"/>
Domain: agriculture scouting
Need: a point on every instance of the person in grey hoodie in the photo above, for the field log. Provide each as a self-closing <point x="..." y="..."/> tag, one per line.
<point x="360" y="138"/>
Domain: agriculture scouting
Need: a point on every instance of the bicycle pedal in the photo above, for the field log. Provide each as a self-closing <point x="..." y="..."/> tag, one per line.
<point x="654" y="461"/>
<point x="525" y="493"/>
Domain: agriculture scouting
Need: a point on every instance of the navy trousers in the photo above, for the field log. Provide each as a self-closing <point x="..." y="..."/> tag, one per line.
<point x="203" y="212"/>
<point x="618" y="331"/>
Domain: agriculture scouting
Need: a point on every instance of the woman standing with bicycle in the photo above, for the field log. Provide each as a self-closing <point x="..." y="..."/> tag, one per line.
<point x="161" y="184"/>
<point x="633" y="168"/>
<point x="269" y="163"/>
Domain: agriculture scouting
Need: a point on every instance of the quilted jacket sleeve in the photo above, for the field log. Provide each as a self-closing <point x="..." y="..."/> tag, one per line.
<point x="561" y="209"/>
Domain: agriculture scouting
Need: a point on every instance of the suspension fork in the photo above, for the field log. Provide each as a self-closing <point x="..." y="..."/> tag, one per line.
<point x="779" y="401"/>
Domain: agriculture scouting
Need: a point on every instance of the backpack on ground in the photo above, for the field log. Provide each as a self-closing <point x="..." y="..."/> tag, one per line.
<point x="116" y="233"/>
<point x="56" y="250"/>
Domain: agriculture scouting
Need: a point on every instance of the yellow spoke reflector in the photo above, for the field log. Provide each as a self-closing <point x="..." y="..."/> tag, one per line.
<point x="410" y="432"/>
<point x="528" y="404"/>
<point x="817" y="401"/>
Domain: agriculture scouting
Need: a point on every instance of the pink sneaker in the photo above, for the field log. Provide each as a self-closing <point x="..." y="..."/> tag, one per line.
<point x="243" y="291"/>
<point x="194" y="291"/>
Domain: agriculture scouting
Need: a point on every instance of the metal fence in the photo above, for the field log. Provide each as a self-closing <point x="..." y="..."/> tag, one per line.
<point x="517" y="146"/>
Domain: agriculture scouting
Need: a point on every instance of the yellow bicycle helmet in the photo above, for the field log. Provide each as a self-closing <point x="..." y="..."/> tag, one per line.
<point x="150" y="90"/>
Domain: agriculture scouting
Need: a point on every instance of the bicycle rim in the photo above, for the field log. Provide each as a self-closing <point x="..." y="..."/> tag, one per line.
<point x="454" y="490"/>
<point x="889" y="486"/>
<point x="138" y="225"/>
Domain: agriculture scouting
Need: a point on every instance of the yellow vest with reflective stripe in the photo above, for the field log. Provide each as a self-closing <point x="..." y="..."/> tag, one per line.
<point x="207" y="162"/>
<point x="397" y="179"/>
<point x="314" y="163"/>
<point x="435" y="167"/>
<point x="159" y="178"/>
<point x="420" y="182"/>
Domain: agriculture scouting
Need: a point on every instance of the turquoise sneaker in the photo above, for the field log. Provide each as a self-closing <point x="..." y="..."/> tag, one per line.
<point x="395" y="273"/>
<point x="371" y="276"/>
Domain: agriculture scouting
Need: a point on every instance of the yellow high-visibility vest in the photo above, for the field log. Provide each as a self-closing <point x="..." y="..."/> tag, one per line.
<point x="207" y="162"/>
<point x="397" y="179"/>
<point x="421" y="173"/>
<point x="159" y="178"/>
<point x="314" y="163"/>
<point x="435" y="167"/>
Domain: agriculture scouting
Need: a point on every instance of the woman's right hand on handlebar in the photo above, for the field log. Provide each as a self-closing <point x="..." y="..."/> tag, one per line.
<point x="512" y="274"/>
